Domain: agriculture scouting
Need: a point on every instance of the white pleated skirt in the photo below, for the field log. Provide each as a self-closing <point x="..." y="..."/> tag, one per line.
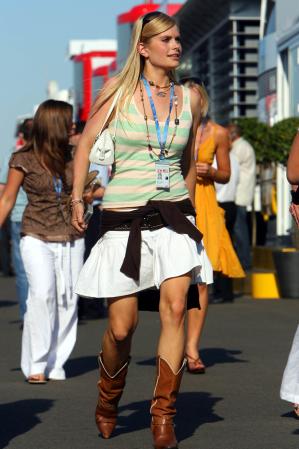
<point x="164" y="254"/>
<point x="289" y="390"/>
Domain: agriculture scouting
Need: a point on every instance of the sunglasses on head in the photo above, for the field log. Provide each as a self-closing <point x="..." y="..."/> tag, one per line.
<point x="149" y="17"/>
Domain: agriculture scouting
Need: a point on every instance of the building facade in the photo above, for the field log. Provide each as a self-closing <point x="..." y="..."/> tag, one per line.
<point x="267" y="68"/>
<point x="279" y="83"/>
<point x="221" y="47"/>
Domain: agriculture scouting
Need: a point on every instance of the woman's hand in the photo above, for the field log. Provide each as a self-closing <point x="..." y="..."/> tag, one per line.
<point x="77" y="217"/>
<point x="88" y="196"/>
<point x="203" y="170"/>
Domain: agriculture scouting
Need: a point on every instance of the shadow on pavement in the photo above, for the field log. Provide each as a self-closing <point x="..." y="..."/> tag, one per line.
<point x="210" y="357"/>
<point x="19" y="417"/>
<point x="7" y="303"/>
<point x="194" y="409"/>
<point x="289" y="414"/>
<point x="81" y="365"/>
<point x="214" y="356"/>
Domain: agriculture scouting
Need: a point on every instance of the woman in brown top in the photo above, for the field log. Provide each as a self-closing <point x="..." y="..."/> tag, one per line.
<point x="51" y="249"/>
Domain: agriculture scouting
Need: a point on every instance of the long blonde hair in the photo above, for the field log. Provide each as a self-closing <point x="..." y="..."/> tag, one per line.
<point x="128" y="77"/>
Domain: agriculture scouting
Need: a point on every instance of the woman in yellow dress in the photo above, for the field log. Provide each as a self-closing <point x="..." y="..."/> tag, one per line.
<point x="211" y="141"/>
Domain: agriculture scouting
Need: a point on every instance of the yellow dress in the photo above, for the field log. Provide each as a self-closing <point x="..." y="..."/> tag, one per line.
<point x="210" y="219"/>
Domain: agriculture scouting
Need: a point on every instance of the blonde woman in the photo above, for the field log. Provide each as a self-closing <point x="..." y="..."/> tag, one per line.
<point x="148" y="233"/>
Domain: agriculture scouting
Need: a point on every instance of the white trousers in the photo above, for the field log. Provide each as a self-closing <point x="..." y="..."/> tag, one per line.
<point x="50" y="322"/>
<point x="289" y="390"/>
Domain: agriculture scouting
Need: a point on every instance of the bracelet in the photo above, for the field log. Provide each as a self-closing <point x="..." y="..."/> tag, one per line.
<point x="76" y="201"/>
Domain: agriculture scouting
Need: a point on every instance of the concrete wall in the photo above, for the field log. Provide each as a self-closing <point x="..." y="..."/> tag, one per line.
<point x="287" y="15"/>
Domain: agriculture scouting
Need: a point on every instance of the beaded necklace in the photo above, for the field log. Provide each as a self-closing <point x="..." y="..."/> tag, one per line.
<point x="176" y="123"/>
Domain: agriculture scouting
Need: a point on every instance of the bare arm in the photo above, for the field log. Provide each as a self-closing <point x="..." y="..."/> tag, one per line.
<point x="94" y="194"/>
<point x="2" y="187"/>
<point x="293" y="162"/>
<point x="221" y="174"/>
<point x="81" y="162"/>
<point x="9" y="195"/>
<point x="189" y="168"/>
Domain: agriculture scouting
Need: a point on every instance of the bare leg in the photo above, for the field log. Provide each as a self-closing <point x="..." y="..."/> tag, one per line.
<point x="114" y="360"/>
<point x="172" y="314"/>
<point x="116" y="345"/>
<point x="196" y="321"/>
<point x="170" y="364"/>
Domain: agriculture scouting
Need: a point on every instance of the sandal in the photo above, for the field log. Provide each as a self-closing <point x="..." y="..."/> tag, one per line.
<point x="37" y="379"/>
<point x="296" y="410"/>
<point x="195" y="366"/>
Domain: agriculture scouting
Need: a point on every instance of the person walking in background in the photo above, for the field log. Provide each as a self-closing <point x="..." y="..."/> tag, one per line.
<point x="289" y="390"/>
<point x="15" y="225"/>
<point x="211" y="142"/>
<point x="226" y="196"/>
<point x="5" y="255"/>
<point x="52" y="251"/>
<point x="78" y="128"/>
<point x="245" y="192"/>
<point x="148" y="232"/>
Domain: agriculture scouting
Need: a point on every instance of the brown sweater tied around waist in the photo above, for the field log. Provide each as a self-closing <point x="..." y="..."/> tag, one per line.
<point x="173" y="214"/>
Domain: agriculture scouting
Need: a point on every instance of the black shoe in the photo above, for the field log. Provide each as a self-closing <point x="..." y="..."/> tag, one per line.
<point x="219" y="300"/>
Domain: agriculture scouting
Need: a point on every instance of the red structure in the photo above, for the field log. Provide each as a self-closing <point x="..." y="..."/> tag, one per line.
<point x="91" y="70"/>
<point x="140" y="10"/>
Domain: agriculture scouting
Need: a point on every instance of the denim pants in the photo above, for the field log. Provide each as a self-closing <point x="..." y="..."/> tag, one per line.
<point x="242" y="241"/>
<point x="21" y="279"/>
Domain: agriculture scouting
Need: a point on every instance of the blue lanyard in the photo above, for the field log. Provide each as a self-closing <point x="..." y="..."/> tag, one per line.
<point x="162" y="142"/>
<point x="57" y="186"/>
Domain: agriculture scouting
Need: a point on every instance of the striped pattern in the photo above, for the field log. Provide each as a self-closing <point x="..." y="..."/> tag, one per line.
<point x="134" y="183"/>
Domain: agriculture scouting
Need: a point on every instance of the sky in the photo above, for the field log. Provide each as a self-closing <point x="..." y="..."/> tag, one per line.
<point x="34" y="36"/>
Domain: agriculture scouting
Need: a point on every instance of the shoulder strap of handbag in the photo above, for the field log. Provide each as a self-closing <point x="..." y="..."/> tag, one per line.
<point x="113" y="104"/>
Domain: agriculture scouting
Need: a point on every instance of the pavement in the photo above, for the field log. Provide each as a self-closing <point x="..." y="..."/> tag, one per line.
<point x="235" y="405"/>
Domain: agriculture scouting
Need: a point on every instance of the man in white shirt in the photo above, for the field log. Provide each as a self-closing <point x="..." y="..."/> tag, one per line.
<point x="226" y="195"/>
<point x="245" y="192"/>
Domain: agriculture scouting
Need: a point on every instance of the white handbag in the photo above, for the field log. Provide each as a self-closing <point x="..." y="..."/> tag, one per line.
<point x="102" y="151"/>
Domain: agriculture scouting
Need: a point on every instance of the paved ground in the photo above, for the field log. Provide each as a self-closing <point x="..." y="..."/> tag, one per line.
<point x="235" y="405"/>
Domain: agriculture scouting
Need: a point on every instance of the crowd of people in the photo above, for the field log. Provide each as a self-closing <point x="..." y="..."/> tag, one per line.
<point x="170" y="211"/>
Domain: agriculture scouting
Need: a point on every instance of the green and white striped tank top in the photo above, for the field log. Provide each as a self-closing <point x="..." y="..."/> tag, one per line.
<point x="133" y="182"/>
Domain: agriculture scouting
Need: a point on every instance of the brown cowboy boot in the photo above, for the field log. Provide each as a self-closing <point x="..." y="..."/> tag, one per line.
<point x="163" y="405"/>
<point x="110" y="391"/>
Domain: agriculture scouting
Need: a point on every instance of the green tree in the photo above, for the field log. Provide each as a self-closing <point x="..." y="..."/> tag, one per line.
<point x="259" y="136"/>
<point x="283" y="133"/>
